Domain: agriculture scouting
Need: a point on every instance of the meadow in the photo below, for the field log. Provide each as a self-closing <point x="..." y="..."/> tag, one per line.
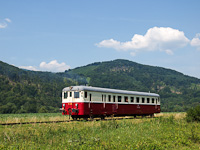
<point x="164" y="131"/>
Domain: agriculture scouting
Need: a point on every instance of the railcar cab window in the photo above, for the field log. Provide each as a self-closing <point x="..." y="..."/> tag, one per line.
<point x="152" y="100"/>
<point x="90" y="97"/>
<point x="113" y="98"/>
<point x="125" y="98"/>
<point x="85" y="94"/>
<point x="65" y="95"/>
<point x="137" y="99"/>
<point x="76" y="94"/>
<point x="119" y="99"/>
<point x="109" y="98"/>
<point x="148" y="100"/>
<point x="143" y="99"/>
<point x="132" y="99"/>
<point x="70" y="94"/>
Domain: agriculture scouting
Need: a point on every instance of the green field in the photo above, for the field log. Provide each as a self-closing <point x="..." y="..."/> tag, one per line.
<point x="165" y="131"/>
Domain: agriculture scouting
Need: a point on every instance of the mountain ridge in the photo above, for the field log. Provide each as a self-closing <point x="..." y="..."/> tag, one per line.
<point x="42" y="89"/>
<point x="178" y="91"/>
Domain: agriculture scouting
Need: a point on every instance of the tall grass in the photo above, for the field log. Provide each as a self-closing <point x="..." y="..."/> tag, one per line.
<point x="163" y="132"/>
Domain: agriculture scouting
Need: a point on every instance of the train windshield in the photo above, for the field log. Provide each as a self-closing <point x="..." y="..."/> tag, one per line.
<point x="76" y="94"/>
<point x="65" y="95"/>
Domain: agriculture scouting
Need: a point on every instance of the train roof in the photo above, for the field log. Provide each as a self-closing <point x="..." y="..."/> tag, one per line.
<point x="107" y="90"/>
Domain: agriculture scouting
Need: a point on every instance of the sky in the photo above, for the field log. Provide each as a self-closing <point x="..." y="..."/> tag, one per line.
<point x="49" y="35"/>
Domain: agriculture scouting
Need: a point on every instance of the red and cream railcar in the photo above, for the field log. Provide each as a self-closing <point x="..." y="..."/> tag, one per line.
<point x="87" y="101"/>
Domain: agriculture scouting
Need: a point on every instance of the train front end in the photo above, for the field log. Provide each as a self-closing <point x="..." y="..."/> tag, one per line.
<point x="72" y="102"/>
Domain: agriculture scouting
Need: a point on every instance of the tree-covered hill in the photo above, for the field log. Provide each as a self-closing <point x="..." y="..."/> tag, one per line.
<point x="178" y="91"/>
<point x="32" y="91"/>
<point x="24" y="91"/>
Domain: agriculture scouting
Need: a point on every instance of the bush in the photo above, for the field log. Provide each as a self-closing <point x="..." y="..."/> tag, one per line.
<point x="43" y="109"/>
<point x="193" y="114"/>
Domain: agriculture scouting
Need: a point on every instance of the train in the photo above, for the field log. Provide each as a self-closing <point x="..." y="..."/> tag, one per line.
<point x="91" y="102"/>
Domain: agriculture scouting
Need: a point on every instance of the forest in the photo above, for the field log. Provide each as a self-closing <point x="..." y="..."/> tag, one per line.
<point x="24" y="91"/>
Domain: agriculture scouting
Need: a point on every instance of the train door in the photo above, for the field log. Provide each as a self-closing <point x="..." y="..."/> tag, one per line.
<point x="70" y="100"/>
<point x="90" y="105"/>
<point x="114" y="105"/>
<point x="156" y="105"/>
<point x="103" y="107"/>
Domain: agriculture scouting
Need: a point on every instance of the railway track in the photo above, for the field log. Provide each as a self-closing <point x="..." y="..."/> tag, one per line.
<point x="18" y="123"/>
<point x="40" y="122"/>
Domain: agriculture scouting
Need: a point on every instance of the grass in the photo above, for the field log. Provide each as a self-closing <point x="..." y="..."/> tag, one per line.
<point x="32" y="117"/>
<point x="165" y="131"/>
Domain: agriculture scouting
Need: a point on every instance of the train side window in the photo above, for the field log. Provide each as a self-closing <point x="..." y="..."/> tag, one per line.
<point x="119" y="99"/>
<point x="76" y="94"/>
<point x="113" y="98"/>
<point x="109" y="98"/>
<point x="148" y="100"/>
<point x="132" y="99"/>
<point x="125" y="99"/>
<point x="65" y="95"/>
<point x="143" y="99"/>
<point x="102" y="98"/>
<point x="85" y="94"/>
<point x="152" y="100"/>
<point x="137" y="99"/>
<point x="90" y="97"/>
<point x="70" y="94"/>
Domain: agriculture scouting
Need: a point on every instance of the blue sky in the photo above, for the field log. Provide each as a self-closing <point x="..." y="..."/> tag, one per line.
<point x="54" y="36"/>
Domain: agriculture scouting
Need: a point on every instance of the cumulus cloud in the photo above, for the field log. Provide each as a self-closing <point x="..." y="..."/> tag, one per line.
<point x="54" y="66"/>
<point x="157" y="38"/>
<point x="196" y="41"/>
<point x="4" y="23"/>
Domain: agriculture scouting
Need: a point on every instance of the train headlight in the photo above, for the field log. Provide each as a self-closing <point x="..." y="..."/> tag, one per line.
<point x="76" y="105"/>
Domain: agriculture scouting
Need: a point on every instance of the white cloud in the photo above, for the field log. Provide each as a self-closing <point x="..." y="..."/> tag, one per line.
<point x="8" y="20"/>
<point x="110" y="44"/>
<point x="4" y="23"/>
<point x="29" y="68"/>
<point x="196" y="41"/>
<point x="157" y="38"/>
<point x="54" y="66"/>
<point x="169" y="52"/>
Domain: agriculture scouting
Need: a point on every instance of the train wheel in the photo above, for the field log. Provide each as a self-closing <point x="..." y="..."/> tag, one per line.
<point x="112" y="116"/>
<point x="91" y="117"/>
<point x="151" y="115"/>
<point x="74" y="117"/>
<point x="102" y="117"/>
<point x="86" y="119"/>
